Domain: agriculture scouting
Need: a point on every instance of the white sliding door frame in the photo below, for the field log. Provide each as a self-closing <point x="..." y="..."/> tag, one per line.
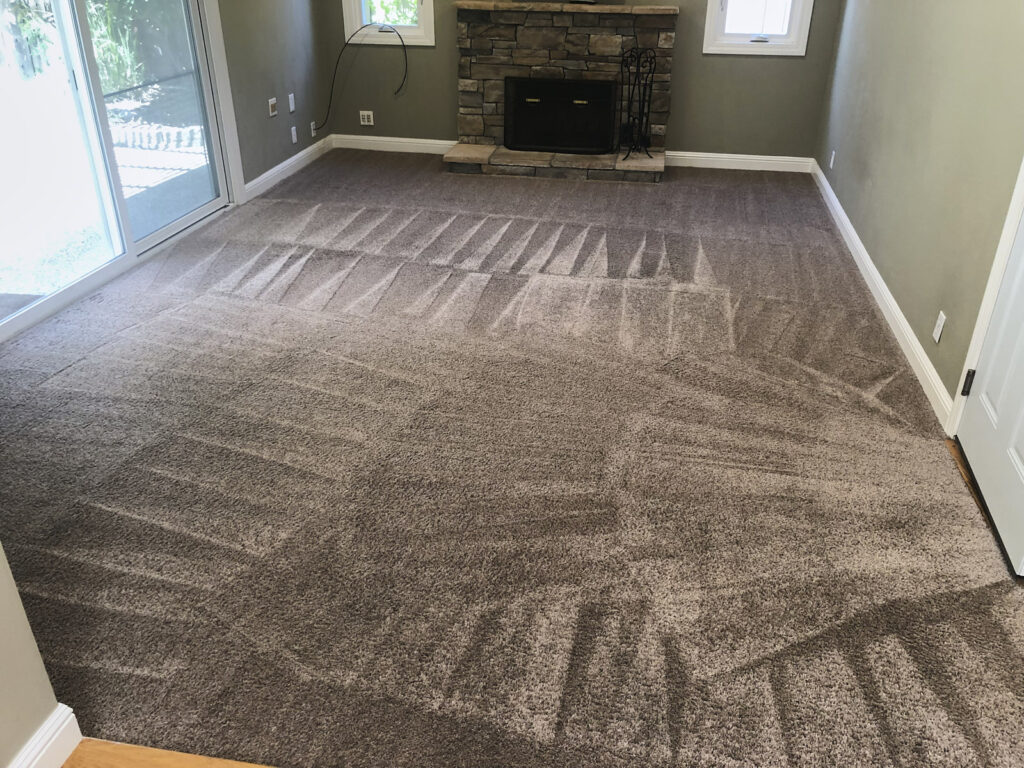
<point x="91" y="92"/>
<point x="89" y="122"/>
<point x="988" y="304"/>
<point x="220" y="80"/>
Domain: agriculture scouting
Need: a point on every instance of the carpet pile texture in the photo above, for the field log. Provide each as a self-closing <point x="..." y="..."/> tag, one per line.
<point x="392" y="467"/>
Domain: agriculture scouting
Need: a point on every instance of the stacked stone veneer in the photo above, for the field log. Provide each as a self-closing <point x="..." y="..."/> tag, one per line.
<point x="553" y="40"/>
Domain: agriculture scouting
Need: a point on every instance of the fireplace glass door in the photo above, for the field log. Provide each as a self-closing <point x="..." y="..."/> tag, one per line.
<point x="572" y="116"/>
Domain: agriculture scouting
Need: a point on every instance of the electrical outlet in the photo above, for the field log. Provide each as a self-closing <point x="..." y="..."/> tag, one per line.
<point x="365" y="117"/>
<point x="272" y="106"/>
<point x="312" y="129"/>
<point x="939" y="325"/>
<point x="291" y="102"/>
<point x="832" y="160"/>
<point x="295" y="135"/>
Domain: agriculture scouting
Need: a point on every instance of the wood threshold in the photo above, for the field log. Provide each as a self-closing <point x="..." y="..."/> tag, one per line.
<point x="967" y="475"/>
<point x="94" y="753"/>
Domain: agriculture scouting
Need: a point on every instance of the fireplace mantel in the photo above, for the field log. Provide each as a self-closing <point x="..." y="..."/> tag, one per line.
<point x="626" y="10"/>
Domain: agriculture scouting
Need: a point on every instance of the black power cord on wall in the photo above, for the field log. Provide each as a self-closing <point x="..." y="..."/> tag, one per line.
<point x="334" y="78"/>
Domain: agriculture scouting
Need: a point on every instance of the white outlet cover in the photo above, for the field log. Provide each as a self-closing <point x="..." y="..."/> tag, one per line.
<point x="939" y="325"/>
<point x="272" y="106"/>
<point x="832" y="160"/>
<point x="295" y="135"/>
<point x="291" y="102"/>
<point x="365" y="117"/>
<point x="312" y="129"/>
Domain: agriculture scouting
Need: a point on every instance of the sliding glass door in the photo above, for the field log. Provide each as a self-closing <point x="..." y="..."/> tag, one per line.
<point x="156" y="106"/>
<point x="114" y="145"/>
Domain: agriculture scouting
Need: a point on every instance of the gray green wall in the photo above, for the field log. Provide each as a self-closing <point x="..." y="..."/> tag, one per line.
<point x="277" y="47"/>
<point x="26" y="698"/>
<point x="736" y="104"/>
<point x="926" y="112"/>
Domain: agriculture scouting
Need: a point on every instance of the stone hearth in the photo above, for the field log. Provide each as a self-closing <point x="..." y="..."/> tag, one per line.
<point x="488" y="158"/>
<point x="554" y="40"/>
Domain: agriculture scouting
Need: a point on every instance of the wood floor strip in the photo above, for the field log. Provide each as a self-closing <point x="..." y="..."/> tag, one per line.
<point x="94" y="753"/>
<point x="965" y="473"/>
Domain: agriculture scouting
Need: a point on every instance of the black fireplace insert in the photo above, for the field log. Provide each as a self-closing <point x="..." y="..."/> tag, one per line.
<point x="573" y="116"/>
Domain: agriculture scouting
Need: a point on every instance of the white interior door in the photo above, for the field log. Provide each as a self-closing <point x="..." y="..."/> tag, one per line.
<point x="992" y="428"/>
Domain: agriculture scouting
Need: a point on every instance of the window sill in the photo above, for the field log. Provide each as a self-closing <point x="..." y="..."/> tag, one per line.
<point x="411" y="37"/>
<point x="746" y="48"/>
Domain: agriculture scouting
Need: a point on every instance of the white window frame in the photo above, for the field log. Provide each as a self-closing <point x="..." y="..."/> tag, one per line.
<point x="793" y="44"/>
<point x="422" y="34"/>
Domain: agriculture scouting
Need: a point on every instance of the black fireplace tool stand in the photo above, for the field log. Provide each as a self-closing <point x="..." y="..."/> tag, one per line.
<point x="637" y="76"/>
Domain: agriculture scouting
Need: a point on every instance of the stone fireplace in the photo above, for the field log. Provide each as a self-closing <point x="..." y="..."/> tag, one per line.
<point x="554" y="41"/>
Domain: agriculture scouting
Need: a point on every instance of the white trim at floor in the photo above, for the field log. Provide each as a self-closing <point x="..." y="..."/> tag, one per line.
<point x="52" y="743"/>
<point x="390" y="144"/>
<point x="672" y="158"/>
<point x="283" y="170"/>
<point x="924" y="369"/>
<point x="48" y="306"/>
<point x="739" y="162"/>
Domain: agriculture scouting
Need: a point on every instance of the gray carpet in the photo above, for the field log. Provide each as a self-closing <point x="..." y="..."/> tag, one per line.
<point x="392" y="467"/>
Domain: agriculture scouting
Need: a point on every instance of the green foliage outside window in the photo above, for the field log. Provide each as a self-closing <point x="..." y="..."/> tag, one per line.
<point x="139" y="41"/>
<point x="397" y="12"/>
<point x="115" y="41"/>
<point x="28" y="29"/>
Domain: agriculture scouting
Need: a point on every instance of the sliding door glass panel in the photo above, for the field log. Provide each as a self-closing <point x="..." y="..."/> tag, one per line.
<point x="54" y="222"/>
<point x="152" y="88"/>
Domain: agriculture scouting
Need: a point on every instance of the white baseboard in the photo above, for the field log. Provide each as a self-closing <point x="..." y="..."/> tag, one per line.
<point x="924" y="369"/>
<point x="391" y="144"/>
<point x="739" y="162"/>
<point x="282" y="171"/>
<point x="52" y="743"/>
<point x="672" y="158"/>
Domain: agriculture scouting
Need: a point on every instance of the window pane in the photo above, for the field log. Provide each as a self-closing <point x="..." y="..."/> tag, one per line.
<point x="397" y="12"/>
<point x="155" y="106"/>
<point x="758" y="17"/>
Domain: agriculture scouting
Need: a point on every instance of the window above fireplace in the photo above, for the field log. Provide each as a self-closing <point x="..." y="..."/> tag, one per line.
<point x="758" y="27"/>
<point x="414" y="20"/>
